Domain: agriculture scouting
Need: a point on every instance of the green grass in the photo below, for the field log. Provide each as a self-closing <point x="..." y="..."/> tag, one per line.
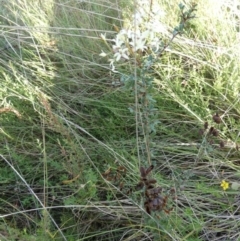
<point x="64" y="124"/>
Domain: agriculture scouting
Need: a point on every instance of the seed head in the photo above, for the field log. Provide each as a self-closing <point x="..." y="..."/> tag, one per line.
<point x="217" y="118"/>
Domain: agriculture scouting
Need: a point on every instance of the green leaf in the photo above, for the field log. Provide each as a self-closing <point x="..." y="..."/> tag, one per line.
<point x="235" y="185"/>
<point x="181" y="6"/>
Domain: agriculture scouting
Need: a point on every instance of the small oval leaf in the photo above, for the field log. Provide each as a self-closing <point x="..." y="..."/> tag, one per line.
<point x="235" y="185"/>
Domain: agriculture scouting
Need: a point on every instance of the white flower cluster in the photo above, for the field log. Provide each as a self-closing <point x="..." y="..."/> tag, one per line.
<point x="142" y="33"/>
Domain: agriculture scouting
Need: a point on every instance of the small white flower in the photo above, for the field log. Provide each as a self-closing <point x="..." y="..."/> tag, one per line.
<point x="112" y="65"/>
<point x="139" y="44"/>
<point x="103" y="36"/>
<point x="129" y="34"/>
<point x="103" y="54"/>
<point x="123" y="32"/>
<point x="138" y="18"/>
<point x="158" y="27"/>
<point x="148" y="34"/>
<point x="122" y="53"/>
<point x="115" y="48"/>
<point x="136" y="34"/>
<point x="155" y="43"/>
<point x="158" y="11"/>
<point x="120" y="40"/>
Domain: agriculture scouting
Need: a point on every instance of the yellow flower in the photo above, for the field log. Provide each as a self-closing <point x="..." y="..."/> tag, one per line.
<point x="224" y="185"/>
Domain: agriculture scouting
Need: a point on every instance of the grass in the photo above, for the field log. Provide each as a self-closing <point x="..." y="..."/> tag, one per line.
<point x="70" y="154"/>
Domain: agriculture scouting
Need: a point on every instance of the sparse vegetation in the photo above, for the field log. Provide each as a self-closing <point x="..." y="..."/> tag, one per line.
<point x="78" y="132"/>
